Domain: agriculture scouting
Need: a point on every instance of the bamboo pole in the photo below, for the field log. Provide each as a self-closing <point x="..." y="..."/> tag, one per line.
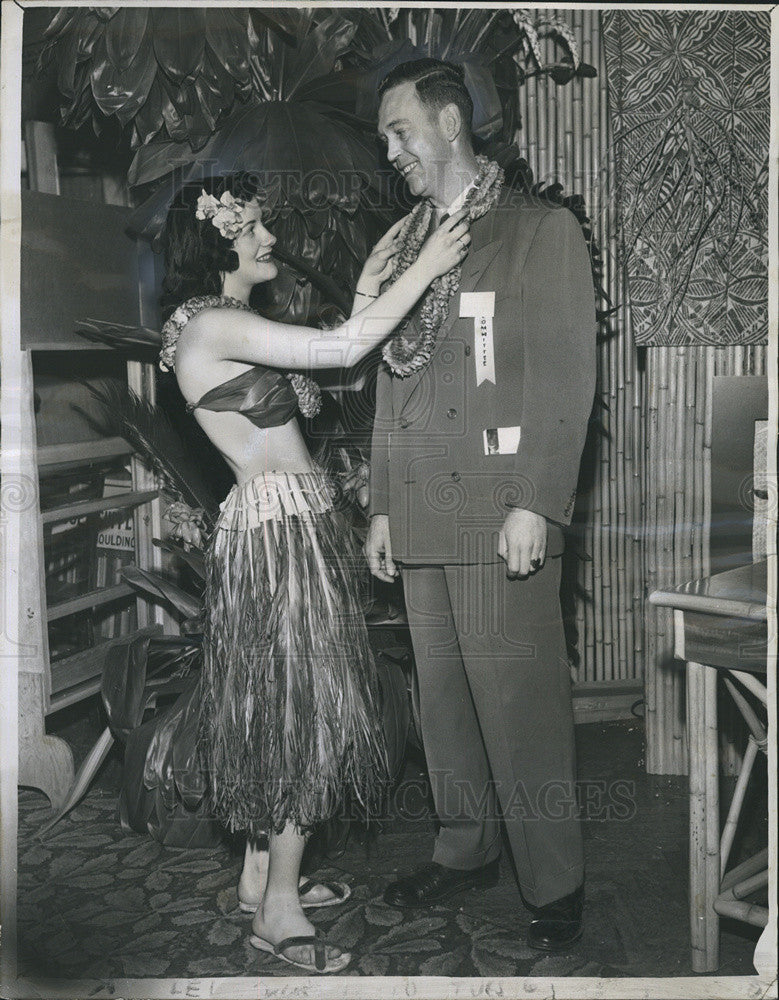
<point x="664" y="526"/>
<point x="586" y="608"/>
<point x="652" y="614"/>
<point x="575" y="156"/>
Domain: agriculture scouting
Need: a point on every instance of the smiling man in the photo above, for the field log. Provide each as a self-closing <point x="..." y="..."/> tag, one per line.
<point x="482" y="408"/>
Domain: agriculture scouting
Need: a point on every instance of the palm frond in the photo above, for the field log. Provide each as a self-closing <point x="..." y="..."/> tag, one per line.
<point x="134" y="343"/>
<point x="157" y="586"/>
<point x="139" y="340"/>
<point x="192" y="557"/>
<point x="89" y="768"/>
<point x="148" y="430"/>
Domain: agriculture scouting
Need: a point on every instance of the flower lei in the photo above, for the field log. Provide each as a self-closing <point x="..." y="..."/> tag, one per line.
<point x="405" y="356"/>
<point x="308" y="392"/>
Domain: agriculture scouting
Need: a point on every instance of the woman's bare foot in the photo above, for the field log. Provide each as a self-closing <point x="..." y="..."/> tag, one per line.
<point x="254" y="878"/>
<point x="282" y="917"/>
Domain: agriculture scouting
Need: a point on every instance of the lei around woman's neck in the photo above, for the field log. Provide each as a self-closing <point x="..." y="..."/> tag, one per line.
<point x="306" y="389"/>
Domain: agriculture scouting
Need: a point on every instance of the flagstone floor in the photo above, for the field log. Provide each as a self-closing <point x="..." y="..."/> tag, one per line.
<point x="96" y="902"/>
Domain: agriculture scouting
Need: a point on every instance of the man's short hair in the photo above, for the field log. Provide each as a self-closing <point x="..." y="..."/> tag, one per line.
<point x="438" y="83"/>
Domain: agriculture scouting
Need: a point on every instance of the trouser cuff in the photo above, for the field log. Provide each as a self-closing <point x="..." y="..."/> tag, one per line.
<point x="550" y="890"/>
<point x="450" y="858"/>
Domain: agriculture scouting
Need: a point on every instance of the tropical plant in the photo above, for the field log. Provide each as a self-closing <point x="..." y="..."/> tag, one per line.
<point x="220" y="89"/>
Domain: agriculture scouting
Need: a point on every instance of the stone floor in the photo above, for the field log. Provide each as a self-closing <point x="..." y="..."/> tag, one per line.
<point x="97" y="902"/>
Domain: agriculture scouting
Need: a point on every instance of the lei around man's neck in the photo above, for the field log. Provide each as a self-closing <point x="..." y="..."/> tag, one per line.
<point x="404" y="356"/>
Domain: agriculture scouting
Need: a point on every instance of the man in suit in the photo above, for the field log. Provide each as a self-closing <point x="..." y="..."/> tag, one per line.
<point x="475" y="457"/>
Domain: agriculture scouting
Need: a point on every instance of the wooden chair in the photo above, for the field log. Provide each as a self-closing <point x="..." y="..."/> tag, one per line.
<point x="720" y="628"/>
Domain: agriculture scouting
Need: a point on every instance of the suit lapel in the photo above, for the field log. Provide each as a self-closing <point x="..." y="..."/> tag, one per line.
<point x="474" y="267"/>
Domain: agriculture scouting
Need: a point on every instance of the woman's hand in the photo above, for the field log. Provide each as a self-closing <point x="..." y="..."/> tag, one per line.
<point x="378" y="267"/>
<point x="446" y="246"/>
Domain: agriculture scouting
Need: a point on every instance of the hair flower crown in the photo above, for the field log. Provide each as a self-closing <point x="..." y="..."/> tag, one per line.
<point x="226" y="213"/>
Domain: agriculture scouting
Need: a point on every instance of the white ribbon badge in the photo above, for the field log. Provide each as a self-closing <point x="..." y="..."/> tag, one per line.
<point x="481" y="306"/>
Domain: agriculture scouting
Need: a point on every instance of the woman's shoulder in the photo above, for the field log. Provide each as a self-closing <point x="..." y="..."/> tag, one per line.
<point x="202" y="306"/>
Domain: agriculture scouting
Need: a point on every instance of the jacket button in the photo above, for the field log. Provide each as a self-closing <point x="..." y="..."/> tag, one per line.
<point x="467" y="351"/>
<point x="456" y="477"/>
<point x="451" y="413"/>
<point x="404" y="424"/>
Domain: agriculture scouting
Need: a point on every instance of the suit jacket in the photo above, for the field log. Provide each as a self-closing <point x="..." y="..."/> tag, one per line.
<point x="446" y="499"/>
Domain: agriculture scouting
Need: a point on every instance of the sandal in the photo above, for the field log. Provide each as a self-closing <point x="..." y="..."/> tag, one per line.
<point x="320" y="955"/>
<point x="340" y="893"/>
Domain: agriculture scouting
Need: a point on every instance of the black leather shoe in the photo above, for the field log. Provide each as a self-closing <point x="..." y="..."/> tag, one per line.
<point x="557" y="925"/>
<point x="432" y="883"/>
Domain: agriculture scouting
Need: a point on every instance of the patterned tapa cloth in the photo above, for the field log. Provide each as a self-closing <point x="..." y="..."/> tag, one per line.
<point x="690" y="111"/>
<point x="290" y="719"/>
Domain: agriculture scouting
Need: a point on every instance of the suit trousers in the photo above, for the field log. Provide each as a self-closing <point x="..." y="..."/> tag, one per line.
<point x="493" y="690"/>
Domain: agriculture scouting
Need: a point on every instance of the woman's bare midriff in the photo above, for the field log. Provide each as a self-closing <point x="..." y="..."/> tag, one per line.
<point x="249" y="450"/>
<point x="246" y="448"/>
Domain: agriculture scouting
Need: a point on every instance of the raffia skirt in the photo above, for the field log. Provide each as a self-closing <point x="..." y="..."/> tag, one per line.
<point x="290" y="716"/>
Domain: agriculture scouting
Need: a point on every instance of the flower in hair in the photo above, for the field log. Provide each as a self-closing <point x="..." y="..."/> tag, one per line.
<point x="225" y="213"/>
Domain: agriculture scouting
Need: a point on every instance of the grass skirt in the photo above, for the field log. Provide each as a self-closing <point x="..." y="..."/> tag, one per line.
<point x="290" y="719"/>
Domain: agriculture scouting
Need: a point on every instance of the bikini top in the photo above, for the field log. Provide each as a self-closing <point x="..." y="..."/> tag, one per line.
<point x="263" y="395"/>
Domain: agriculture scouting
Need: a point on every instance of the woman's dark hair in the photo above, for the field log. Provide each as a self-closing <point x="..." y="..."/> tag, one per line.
<point x="196" y="253"/>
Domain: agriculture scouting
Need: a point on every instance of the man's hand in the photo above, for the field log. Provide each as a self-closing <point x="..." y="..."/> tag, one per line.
<point x="522" y="542"/>
<point x="378" y="549"/>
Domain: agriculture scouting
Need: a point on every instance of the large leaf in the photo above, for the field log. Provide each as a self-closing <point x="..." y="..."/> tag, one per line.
<point x="122" y="92"/>
<point x="172" y="655"/>
<point x="228" y="38"/>
<point x="83" y="779"/>
<point x="66" y="51"/>
<point x="156" y="159"/>
<point x="279" y="141"/>
<point x="149" y="121"/>
<point x="292" y="23"/>
<point x="124" y="35"/>
<point x="373" y="30"/>
<point x="318" y="52"/>
<point x="61" y="21"/>
<point x="157" y="586"/>
<point x="179" y="40"/>
<point x="123" y="685"/>
<point x="174" y="105"/>
<point x="192" y="557"/>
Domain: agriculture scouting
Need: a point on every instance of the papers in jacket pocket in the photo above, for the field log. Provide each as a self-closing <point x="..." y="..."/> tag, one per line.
<point x="502" y="440"/>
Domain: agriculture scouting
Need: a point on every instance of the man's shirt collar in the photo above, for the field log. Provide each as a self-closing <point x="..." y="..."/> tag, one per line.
<point x="458" y="202"/>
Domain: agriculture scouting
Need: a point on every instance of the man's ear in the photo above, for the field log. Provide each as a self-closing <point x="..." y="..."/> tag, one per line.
<point x="451" y="121"/>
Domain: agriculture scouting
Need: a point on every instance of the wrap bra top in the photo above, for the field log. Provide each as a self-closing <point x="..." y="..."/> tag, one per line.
<point x="263" y="395"/>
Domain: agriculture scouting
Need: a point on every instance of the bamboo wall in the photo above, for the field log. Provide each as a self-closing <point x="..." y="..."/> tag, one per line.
<point x="646" y="512"/>
<point x="565" y="137"/>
